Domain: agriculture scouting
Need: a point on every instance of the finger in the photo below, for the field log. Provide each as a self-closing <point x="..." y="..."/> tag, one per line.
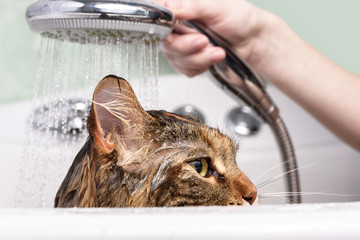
<point x="197" y="62"/>
<point x="187" y="72"/>
<point x="182" y="45"/>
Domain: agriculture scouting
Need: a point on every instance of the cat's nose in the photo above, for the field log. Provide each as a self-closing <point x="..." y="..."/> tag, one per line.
<point x="250" y="198"/>
<point x="245" y="189"/>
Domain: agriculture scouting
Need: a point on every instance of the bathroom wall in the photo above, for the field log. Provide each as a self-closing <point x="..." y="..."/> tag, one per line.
<point x="18" y="52"/>
<point x="329" y="25"/>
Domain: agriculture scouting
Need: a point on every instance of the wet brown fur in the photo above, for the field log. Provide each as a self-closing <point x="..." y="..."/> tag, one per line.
<point x="135" y="158"/>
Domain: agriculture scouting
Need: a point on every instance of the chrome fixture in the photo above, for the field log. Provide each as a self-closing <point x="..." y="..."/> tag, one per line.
<point x="243" y="121"/>
<point x="62" y="116"/>
<point x="77" y="20"/>
<point x="192" y="111"/>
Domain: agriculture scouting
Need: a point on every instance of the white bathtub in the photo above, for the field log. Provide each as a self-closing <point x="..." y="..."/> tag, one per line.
<point x="328" y="167"/>
<point x="306" y="221"/>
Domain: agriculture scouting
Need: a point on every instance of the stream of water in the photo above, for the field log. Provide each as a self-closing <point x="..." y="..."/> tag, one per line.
<point x="66" y="76"/>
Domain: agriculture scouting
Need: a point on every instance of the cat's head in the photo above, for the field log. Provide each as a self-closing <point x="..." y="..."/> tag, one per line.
<point x="135" y="158"/>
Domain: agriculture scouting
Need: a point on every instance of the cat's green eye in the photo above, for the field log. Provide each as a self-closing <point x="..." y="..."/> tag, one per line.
<point x="200" y="166"/>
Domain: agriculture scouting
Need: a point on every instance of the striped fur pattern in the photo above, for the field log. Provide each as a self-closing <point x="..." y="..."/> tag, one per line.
<point x="135" y="158"/>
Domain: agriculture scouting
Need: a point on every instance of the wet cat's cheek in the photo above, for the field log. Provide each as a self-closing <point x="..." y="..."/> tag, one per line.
<point x="212" y="180"/>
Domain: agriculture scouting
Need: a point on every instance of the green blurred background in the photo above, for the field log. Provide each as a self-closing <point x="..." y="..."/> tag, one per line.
<point x="331" y="26"/>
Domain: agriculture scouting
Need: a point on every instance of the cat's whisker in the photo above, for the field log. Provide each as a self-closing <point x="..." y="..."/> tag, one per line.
<point x="280" y="176"/>
<point x="279" y="165"/>
<point x="268" y="171"/>
<point x="265" y="188"/>
<point x="214" y="121"/>
<point x="216" y="118"/>
<point x="286" y="194"/>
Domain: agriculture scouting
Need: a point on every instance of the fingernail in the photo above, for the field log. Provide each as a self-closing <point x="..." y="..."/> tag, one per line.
<point x="174" y="4"/>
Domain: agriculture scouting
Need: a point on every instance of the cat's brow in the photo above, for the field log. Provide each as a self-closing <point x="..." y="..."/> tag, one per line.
<point x="181" y="118"/>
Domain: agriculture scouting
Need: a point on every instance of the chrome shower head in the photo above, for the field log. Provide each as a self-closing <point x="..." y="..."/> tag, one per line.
<point x="77" y="20"/>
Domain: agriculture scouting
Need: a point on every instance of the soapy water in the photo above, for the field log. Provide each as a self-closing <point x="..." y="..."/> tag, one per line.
<point x="66" y="76"/>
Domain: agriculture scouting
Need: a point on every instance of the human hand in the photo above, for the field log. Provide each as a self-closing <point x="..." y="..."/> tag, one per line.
<point x="240" y="23"/>
<point x="273" y="49"/>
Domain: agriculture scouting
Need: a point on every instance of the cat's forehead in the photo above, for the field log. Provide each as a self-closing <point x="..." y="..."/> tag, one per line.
<point x="175" y="118"/>
<point x="182" y="127"/>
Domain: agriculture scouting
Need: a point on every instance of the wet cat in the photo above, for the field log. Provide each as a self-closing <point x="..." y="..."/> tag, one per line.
<point x="135" y="158"/>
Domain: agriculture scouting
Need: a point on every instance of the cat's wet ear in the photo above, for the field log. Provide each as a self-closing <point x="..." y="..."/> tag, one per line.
<point x="115" y="110"/>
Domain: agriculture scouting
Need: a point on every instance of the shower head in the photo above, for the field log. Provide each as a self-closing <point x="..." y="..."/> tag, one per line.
<point x="77" y="20"/>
